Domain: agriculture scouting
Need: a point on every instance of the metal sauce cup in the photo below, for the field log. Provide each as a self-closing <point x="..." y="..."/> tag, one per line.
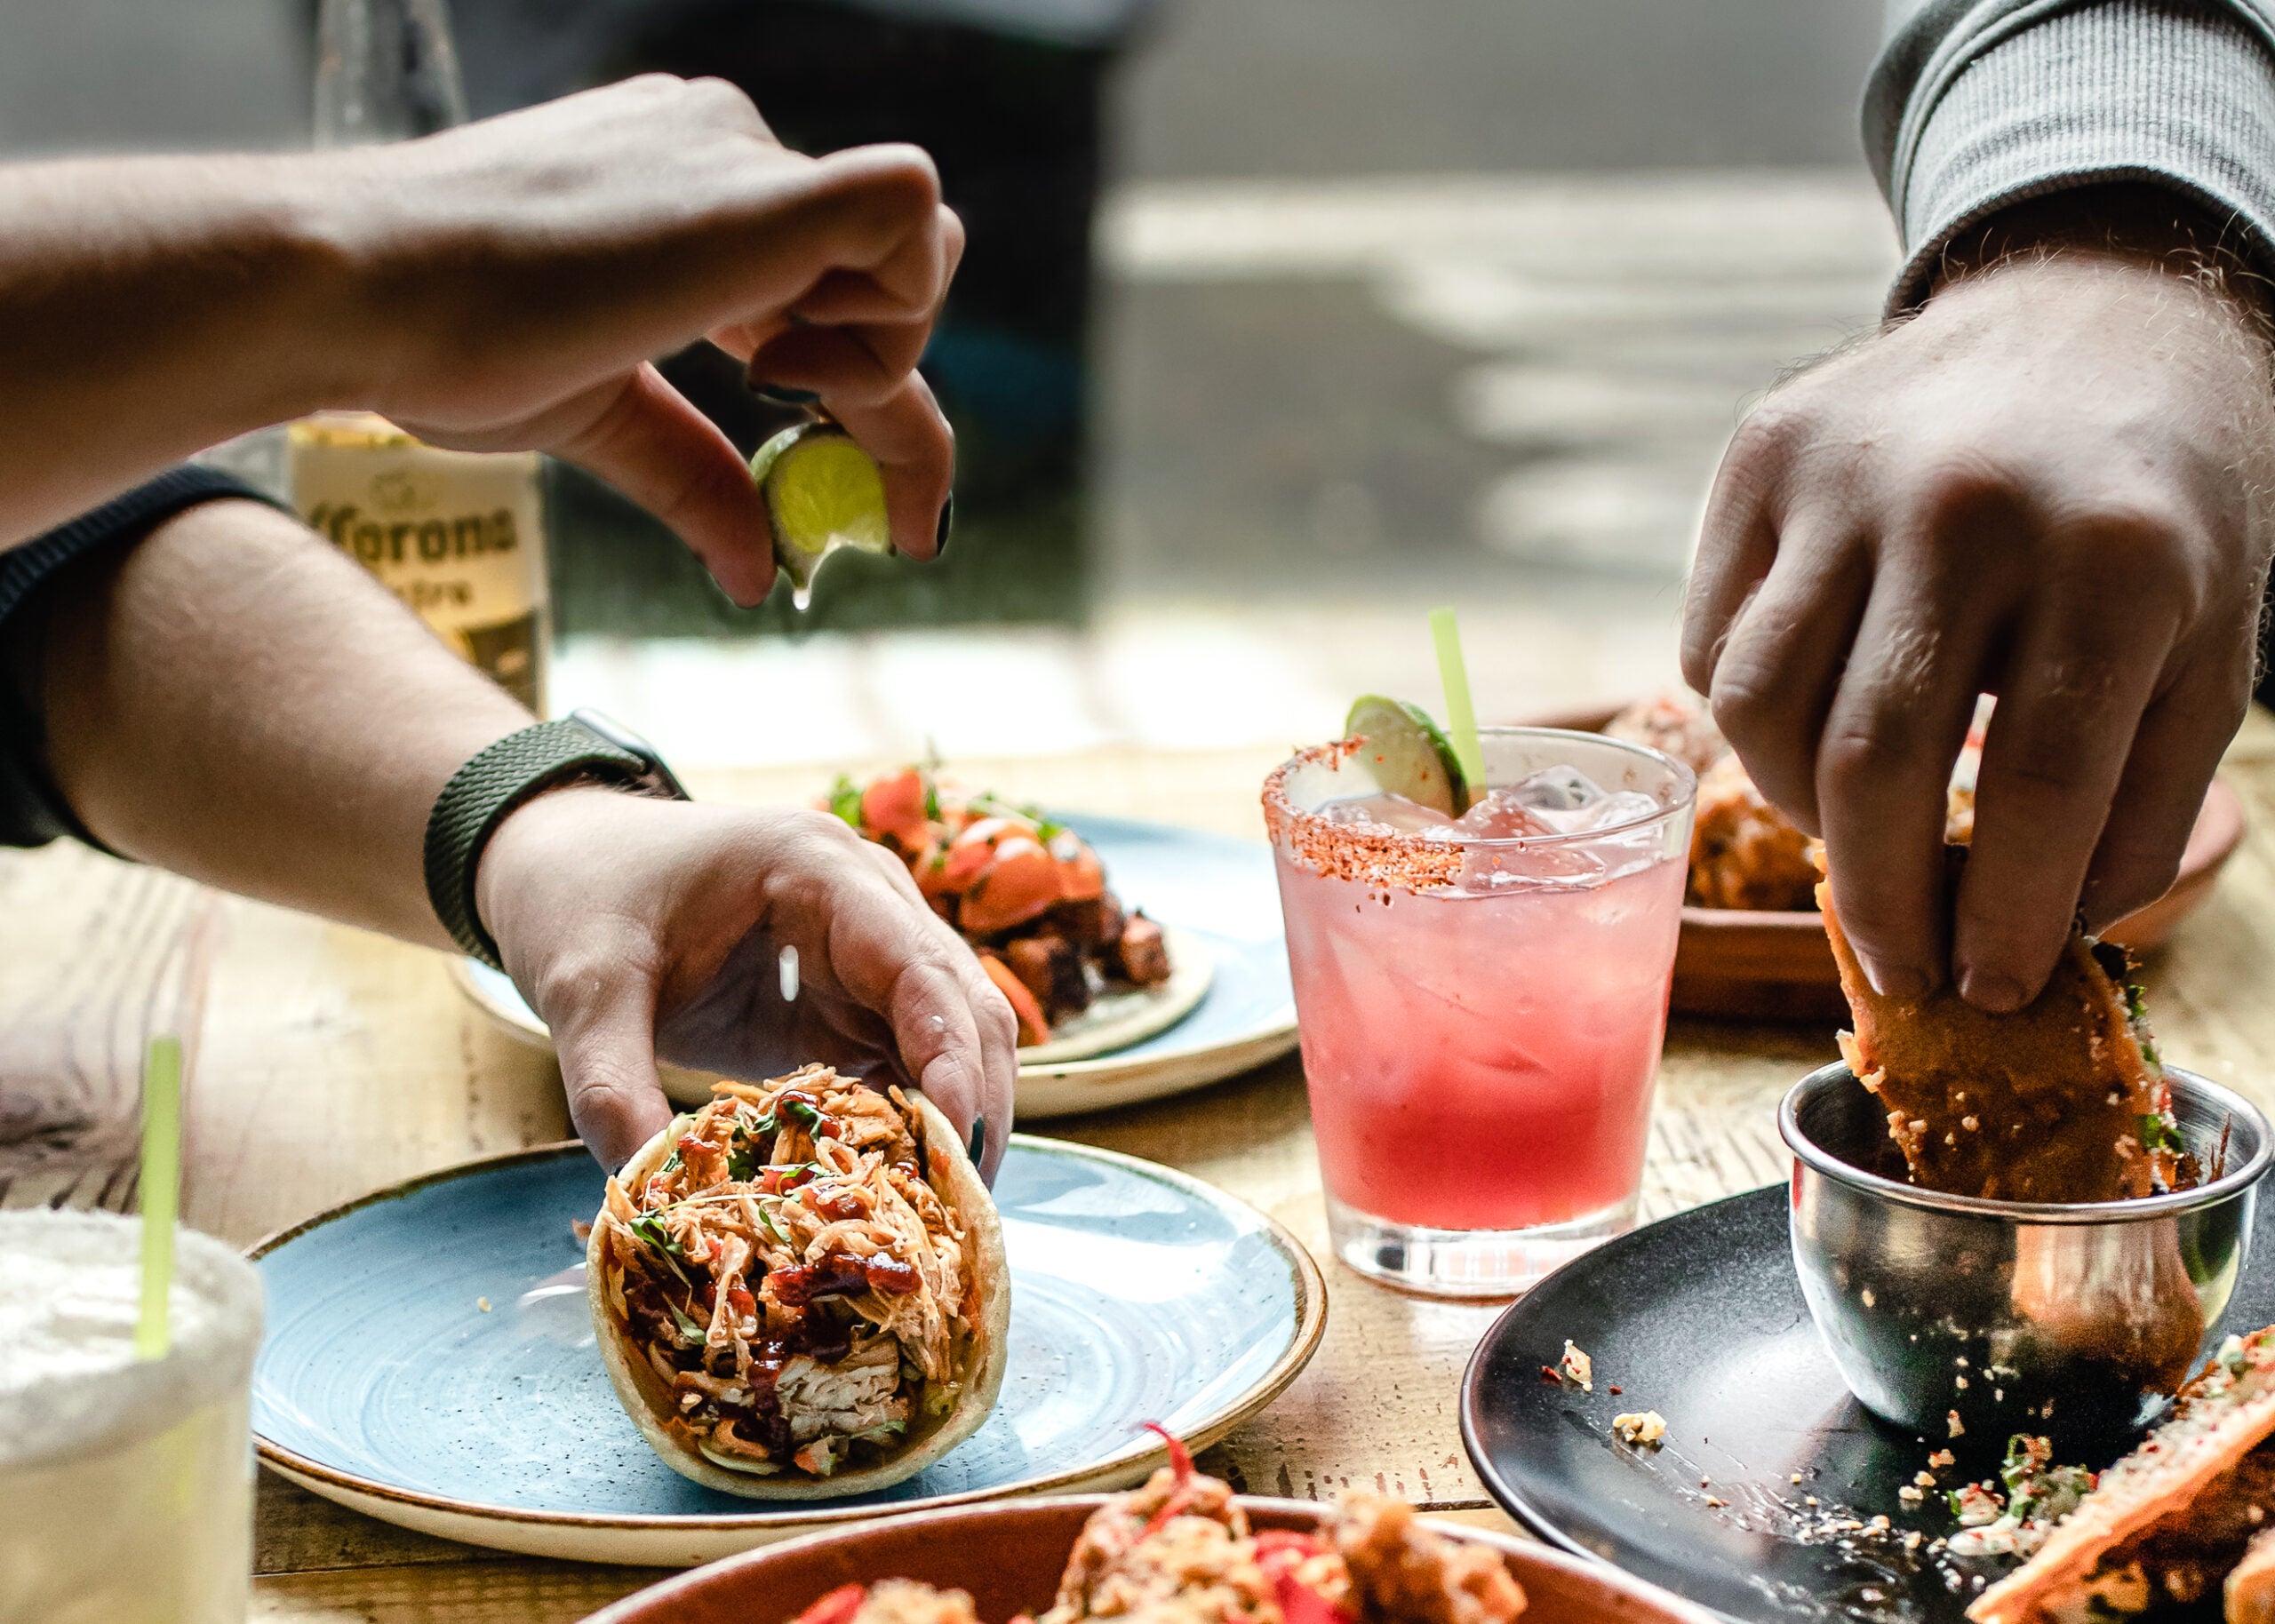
<point x="1952" y="1315"/>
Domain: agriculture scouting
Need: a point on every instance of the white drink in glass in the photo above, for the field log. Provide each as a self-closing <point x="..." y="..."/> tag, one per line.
<point x="125" y="1487"/>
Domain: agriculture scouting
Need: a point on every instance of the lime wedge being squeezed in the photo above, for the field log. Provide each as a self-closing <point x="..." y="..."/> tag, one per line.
<point x="822" y="493"/>
<point x="1407" y="754"/>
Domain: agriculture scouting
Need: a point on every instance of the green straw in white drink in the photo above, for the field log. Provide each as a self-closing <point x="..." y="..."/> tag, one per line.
<point x="160" y="1191"/>
<point x="1461" y="715"/>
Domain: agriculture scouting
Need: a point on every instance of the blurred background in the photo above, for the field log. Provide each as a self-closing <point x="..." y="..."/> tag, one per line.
<point x="1282" y="321"/>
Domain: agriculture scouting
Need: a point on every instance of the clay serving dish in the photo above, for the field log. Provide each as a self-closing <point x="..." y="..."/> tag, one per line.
<point x="1739" y="963"/>
<point x="1009" y="1556"/>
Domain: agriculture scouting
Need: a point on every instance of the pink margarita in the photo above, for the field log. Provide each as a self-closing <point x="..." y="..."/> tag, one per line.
<point x="1483" y="1000"/>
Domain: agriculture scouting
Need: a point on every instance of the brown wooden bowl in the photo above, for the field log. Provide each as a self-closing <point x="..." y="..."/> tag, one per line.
<point x="1739" y="963"/>
<point x="1008" y="1554"/>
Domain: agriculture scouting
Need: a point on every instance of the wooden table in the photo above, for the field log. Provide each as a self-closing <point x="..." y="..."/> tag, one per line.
<point x="330" y="1062"/>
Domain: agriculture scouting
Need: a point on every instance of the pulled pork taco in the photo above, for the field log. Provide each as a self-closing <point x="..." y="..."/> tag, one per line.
<point x="2182" y="1520"/>
<point x="801" y="1290"/>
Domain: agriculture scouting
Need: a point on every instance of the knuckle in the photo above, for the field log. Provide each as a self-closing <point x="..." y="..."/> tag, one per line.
<point x="1781" y="427"/>
<point x="2132" y="548"/>
<point x="1741" y="702"/>
<point x="573" y="981"/>
<point x="1861" y="756"/>
<point x="886" y="186"/>
<point x="1955" y="485"/>
<point x="719" y="98"/>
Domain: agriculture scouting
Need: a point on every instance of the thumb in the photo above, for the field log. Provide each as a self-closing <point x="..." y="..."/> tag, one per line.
<point x="608" y="1068"/>
<point x="646" y="439"/>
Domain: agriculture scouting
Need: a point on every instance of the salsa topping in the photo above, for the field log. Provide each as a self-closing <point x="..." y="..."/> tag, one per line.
<point x="1027" y="893"/>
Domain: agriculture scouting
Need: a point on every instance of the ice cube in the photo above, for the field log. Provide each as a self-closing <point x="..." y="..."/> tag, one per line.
<point x="1387" y="811"/>
<point x="1620" y="807"/>
<point x="1554" y="789"/>
<point x="1501" y="816"/>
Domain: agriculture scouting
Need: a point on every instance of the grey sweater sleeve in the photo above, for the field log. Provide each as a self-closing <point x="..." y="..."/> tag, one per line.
<point x="1975" y="105"/>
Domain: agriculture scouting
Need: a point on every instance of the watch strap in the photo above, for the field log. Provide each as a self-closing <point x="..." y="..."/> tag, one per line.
<point x="498" y="779"/>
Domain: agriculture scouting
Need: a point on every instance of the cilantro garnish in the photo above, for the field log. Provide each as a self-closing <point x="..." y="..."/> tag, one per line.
<point x="845" y="800"/>
<point x="648" y="1230"/>
<point x="2157" y="1135"/>
<point x="689" y="1330"/>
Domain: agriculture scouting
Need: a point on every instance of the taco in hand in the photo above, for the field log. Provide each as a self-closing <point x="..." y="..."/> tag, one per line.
<point x="801" y="1290"/>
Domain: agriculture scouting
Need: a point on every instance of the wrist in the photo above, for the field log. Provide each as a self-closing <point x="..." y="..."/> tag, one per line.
<point x="2121" y="232"/>
<point x="503" y="779"/>
<point x="530" y="843"/>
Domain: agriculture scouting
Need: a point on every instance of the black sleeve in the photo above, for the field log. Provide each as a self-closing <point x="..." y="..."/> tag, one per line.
<point x="32" y="812"/>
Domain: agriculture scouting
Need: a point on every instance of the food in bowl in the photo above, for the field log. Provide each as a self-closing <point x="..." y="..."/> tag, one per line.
<point x="1744" y="853"/>
<point x="801" y="1290"/>
<point x="2061" y="1100"/>
<point x="2190" y="1512"/>
<point x="1027" y="893"/>
<point x="1179" y="1551"/>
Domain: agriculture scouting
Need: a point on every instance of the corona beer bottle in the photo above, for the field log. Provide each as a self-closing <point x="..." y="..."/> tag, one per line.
<point x="458" y="536"/>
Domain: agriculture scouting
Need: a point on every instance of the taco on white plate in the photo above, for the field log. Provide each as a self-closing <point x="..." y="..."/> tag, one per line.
<point x="799" y="1290"/>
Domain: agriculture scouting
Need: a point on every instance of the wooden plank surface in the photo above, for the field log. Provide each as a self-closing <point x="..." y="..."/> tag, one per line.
<point x="331" y="1063"/>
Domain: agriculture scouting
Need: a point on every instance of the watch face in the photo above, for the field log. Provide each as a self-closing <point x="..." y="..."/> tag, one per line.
<point x="624" y="739"/>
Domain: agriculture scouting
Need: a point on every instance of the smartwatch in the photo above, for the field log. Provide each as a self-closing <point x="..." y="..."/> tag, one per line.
<point x="583" y="747"/>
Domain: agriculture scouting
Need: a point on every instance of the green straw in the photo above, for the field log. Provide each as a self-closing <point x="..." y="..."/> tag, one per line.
<point x="1461" y="715"/>
<point x="160" y="1190"/>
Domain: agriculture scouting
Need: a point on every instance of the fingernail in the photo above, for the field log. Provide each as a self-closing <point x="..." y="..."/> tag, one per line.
<point x="948" y="523"/>
<point x="1896" y="981"/>
<point x="782" y="394"/>
<point x="978" y="1146"/>
<point x="1999" y="994"/>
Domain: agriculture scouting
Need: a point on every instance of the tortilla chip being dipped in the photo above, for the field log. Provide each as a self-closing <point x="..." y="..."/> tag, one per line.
<point x="801" y="1290"/>
<point x="2060" y="1100"/>
<point x="2182" y="1517"/>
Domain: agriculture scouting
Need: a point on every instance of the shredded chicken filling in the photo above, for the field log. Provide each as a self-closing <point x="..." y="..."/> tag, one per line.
<point x="792" y="1277"/>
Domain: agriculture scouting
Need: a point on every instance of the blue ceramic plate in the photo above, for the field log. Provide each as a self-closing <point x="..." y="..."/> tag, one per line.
<point x="1209" y="888"/>
<point x="385" y="1383"/>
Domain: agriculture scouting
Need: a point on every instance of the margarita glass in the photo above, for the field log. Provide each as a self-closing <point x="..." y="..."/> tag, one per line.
<point x="1480" y="1013"/>
<point x="125" y="1485"/>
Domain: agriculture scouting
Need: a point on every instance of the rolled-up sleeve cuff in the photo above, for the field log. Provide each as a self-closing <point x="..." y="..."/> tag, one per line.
<point x="2041" y="98"/>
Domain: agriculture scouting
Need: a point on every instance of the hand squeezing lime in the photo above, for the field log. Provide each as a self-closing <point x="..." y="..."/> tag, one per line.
<point x="1407" y="754"/>
<point x="822" y="492"/>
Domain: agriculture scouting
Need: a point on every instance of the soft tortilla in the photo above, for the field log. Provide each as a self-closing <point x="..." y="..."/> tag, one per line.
<point x="2222" y="1418"/>
<point x="980" y="1368"/>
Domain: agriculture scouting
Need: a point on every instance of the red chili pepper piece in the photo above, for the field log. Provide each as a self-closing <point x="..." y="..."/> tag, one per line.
<point x="837" y="1607"/>
<point x="1299" y="1603"/>
<point x="1181" y="1464"/>
<point x="1275" y="1543"/>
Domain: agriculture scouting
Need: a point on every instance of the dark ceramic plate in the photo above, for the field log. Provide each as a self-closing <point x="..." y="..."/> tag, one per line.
<point x="1699" y="1317"/>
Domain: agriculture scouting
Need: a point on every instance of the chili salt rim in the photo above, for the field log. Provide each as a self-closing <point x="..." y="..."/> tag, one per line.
<point x="1368" y="853"/>
<point x="1374" y="854"/>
